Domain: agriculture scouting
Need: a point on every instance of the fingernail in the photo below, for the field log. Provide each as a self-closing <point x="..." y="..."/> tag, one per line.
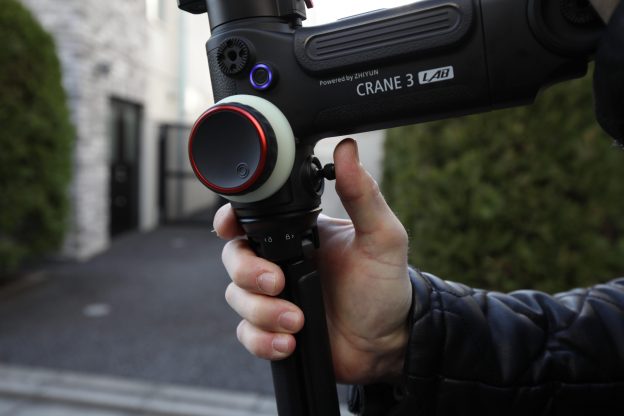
<point x="281" y="344"/>
<point x="357" y="151"/>
<point x="289" y="321"/>
<point x="266" y="283"/>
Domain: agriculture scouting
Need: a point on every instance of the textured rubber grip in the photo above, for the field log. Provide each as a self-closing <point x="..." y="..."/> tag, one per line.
<point x="385" y="35"/>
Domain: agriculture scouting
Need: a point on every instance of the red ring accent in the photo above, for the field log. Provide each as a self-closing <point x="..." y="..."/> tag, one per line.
<point x="263" y="149"/>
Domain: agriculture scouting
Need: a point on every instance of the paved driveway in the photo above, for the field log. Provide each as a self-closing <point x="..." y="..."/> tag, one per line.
<point x="151" y="308"/>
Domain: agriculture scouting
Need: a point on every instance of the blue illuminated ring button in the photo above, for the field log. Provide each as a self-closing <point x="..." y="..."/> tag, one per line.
<point x="261" y="77"/>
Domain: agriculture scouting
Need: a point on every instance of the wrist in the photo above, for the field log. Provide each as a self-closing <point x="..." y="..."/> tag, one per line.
<point x="390" y="366"/>
<point x="388" y="362"/>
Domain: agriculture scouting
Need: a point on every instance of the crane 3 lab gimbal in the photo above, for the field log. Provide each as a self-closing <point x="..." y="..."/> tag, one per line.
<point x="281" y="87"/>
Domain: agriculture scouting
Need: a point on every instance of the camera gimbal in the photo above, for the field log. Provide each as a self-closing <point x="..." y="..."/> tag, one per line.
<point x="280" y="87"/>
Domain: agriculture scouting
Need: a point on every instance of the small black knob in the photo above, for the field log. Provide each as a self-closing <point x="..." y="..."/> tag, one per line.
<point x="314" y="174"/>
<point x="232" y="56"/>
<point x="328" y="172"/>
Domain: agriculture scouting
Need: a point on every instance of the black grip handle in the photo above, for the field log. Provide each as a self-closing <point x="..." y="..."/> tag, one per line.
<point x="304" y="382"/>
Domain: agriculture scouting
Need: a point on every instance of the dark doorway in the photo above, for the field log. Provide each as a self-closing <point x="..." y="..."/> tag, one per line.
<point x="125" y="131"/>
<point x="182" y="198"/>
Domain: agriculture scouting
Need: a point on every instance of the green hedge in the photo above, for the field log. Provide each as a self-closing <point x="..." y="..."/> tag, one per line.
<point x="35" y="141"/>
<point x="529" y="197"/>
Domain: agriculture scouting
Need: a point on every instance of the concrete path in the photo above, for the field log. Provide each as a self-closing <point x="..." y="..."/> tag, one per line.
<point x="38" y="392"/>
<point x="30" y="392"/>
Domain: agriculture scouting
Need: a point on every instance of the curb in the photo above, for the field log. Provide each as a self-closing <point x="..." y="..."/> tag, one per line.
<point x="118" y="394"/>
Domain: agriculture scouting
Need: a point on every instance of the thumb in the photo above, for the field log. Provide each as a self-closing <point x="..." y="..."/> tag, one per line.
<point x="359" y="192"/>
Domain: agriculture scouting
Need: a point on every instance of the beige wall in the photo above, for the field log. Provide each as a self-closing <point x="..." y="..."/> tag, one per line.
<point x="178" y="92"/>
<point x="117" y="48"/>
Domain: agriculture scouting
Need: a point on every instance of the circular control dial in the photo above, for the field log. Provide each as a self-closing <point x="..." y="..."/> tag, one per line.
<point x="232" y="149"/>
<point x="242" y="148"/>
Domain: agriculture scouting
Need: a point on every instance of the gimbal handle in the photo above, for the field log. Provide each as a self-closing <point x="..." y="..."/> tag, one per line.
<point x="304" y="382"/>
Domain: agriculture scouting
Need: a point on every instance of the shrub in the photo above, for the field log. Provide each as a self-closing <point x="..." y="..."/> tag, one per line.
<point x="529" y="197"/>
<point x="35" y="141"/>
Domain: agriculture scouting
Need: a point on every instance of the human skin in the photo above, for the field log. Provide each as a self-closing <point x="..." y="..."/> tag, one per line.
<point x="366" y="288"/>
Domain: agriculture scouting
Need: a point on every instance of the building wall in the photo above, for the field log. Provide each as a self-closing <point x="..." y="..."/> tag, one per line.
<point x="114" y="49"/>
<point x="178" y="93"/>
<point x="102" y="47"/>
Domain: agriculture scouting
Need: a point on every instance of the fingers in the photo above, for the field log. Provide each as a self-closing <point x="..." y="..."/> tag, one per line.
<point x="268" y="322"/>
<point x="264" y="312"/>
<point x="225" y="223"/>
<point x="264" y="344"/>
<point x="249" y="271"/>
<point x="360" y="194"/>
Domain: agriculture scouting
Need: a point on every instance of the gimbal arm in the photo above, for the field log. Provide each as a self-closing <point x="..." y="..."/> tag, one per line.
<point x="220" y="12"/>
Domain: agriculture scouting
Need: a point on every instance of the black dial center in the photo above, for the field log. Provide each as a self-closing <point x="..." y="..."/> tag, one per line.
<point x="228" y="149"/>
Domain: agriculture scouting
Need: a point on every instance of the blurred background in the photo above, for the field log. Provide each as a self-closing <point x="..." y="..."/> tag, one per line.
<point x="111" y="284"/>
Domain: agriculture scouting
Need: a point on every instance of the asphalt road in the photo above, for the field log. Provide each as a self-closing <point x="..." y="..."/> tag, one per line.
<point x="151" y="307"/>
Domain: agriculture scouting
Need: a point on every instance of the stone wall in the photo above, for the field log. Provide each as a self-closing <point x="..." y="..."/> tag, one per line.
<point x="102" y="47"/>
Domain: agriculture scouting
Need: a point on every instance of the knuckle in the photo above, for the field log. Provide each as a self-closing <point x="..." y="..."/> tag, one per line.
<point x="395" y="235"/>
<point x="251" y="340"/>
<point x="240" y="329"/>
<point x="229" y="293"/>
<point x="227" y="251"/>
<point x="235" y="246"/>
<point x="236" y="269"/>
<point x="373" y="187"/>
<point x="255" y="311"/>
<point x="401" y="238"/>
<point x="218" y="220"/>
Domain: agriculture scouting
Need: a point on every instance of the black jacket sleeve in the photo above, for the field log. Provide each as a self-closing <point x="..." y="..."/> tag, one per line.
<point x="474" y="352"/>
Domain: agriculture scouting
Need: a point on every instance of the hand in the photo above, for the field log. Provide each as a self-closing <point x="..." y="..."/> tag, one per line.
<point x="366" y="286"/>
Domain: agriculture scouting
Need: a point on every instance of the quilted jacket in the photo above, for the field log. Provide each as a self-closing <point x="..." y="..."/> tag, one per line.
<point x="475" y="352"/>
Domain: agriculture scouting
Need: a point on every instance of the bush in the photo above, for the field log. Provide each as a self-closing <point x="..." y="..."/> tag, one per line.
<point x="35" y="141"/>
<point x="529" y="197"/>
